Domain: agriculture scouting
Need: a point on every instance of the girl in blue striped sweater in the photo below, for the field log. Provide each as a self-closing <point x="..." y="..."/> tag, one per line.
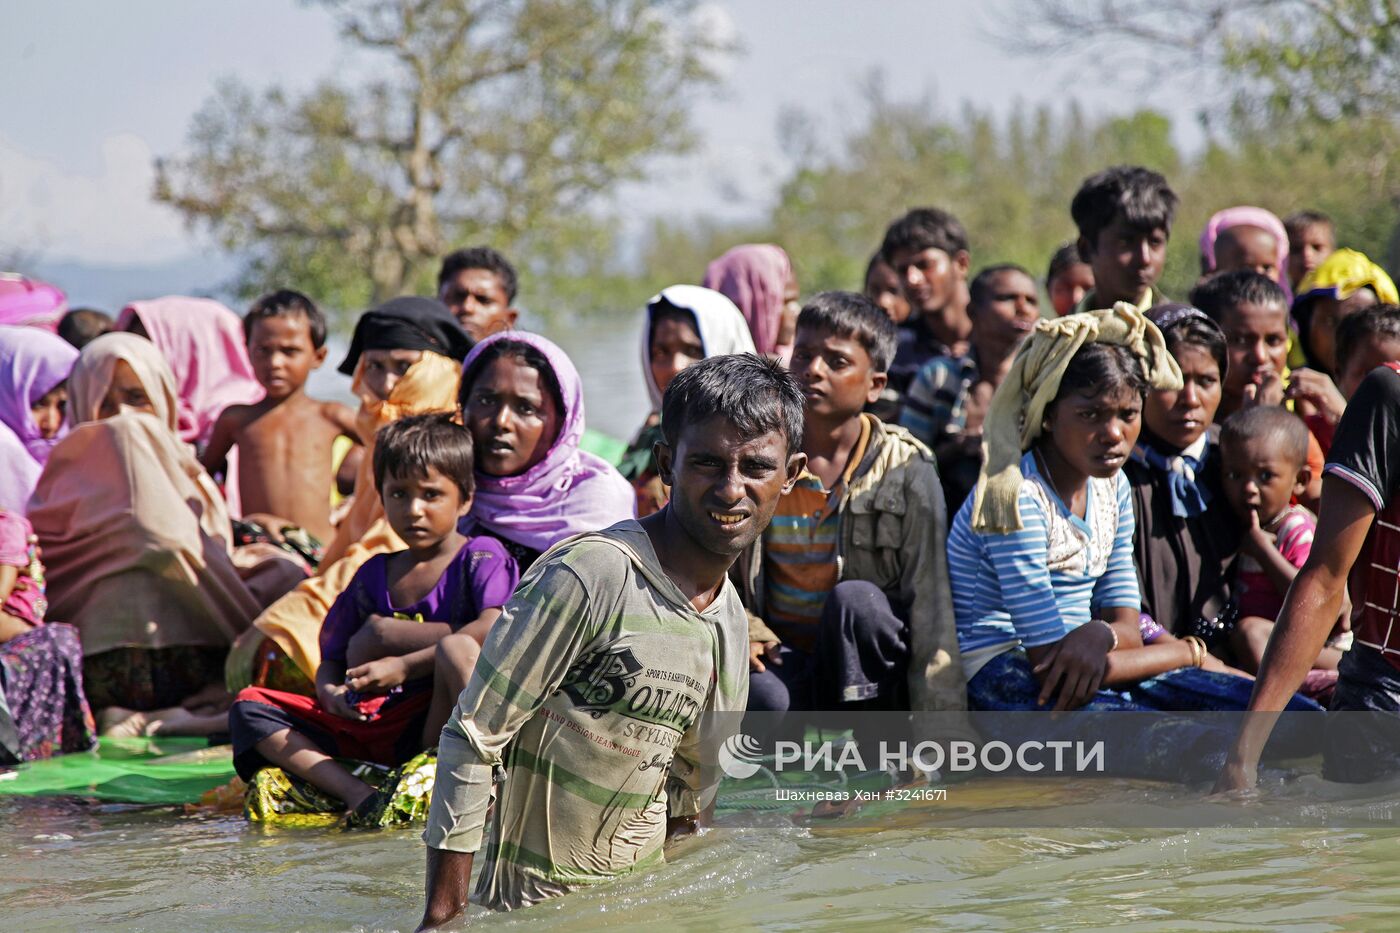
<point x="1041" y="559"/>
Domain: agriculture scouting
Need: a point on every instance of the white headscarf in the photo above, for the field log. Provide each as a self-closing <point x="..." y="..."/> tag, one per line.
<point x="722" y="327"/>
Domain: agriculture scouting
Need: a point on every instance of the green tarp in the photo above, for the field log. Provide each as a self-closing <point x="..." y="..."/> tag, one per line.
<point x="143" y="771"/>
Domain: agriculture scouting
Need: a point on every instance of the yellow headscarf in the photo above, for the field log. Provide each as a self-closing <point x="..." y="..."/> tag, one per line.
<point x="1342" y="273"/>
<point x="1018" y="408"/>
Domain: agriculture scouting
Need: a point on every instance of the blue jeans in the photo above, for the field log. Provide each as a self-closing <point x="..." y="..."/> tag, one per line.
<point x="1161" y="747"/>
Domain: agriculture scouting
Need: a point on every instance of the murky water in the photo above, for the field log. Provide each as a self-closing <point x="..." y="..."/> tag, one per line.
<point x="68" y="864"/>
<point x="75" y="865"/>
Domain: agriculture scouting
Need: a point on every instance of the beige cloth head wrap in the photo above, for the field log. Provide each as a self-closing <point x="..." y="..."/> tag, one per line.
<point x="1018" y="408"/>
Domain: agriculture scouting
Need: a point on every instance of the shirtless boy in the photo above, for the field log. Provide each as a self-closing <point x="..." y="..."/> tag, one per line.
<point x="284" y="441"/>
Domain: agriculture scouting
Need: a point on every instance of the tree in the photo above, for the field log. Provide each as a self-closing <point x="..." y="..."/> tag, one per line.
<point x="498" y="121"/>
<point x="1010" y="180"/>
<point x="1314" y="89"/>
<point x="1326" y="58"/>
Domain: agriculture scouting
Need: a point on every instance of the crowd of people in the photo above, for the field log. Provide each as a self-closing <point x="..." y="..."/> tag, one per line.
<point x="945" y="491"/>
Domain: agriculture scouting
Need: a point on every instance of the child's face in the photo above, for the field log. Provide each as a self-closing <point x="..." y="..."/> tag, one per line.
<point x="835" y="373"/>
<point x="1247" y="247"/>
<point x="1008" y="315"/>
<point x="882" y="287"/>
<point x="675" y="344"/>
<point x="126" y="392"/>
<point x="282" y="353"/>
<point x="1180" y="417"/>
<point x="478" y="300"/>
<point x="726" y="485"/>
<point x="1256" y="340"/>
<point x="931" y="278"/>
<point x="1126" y="261"/>
<point x="423" y="508"/>
<point x="1374" y="352"/>
<point x="1327" y="313"/>
<point x="1094" y="434"/>
<point x="1069" y="287"/>
<point x="49" y="410"/>
<point x="384" y="368"/>
<point x="1307" y="248"/>
<point x="512" y="417"/>
<point x="1258" y="476"/>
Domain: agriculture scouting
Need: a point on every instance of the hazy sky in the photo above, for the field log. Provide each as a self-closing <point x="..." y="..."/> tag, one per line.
<point x="92" y="90"/>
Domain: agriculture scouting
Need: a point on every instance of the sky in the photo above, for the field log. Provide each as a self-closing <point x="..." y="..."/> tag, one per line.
<point x="91" y="91"/>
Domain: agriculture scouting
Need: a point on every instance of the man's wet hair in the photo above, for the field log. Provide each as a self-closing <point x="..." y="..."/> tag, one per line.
<point x="855" y="317"/>
<point x="1221" y="294"/>
<point x="1067" y="255"/>
<point x="924" y="228"/>
<point x="1283" y="430"/>
<point x="1299" y="221"/>
<point x="755" y="394"/>
<point x="1378" y="322"/>
<point x="979" y="291"/>
<point x="409" y="446"/>
<point x="287" y="303"/>
<point x="479" y="257"/>
<point x="1140" y="196"/>
<point x="82" y="326"/>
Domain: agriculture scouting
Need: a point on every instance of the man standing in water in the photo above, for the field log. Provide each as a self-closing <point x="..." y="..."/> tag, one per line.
<point x="600" y="666"/>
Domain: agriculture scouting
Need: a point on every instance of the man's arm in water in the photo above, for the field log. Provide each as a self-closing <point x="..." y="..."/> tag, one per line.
<point x="1308" y="615"/>
<point x="449" y="876"/>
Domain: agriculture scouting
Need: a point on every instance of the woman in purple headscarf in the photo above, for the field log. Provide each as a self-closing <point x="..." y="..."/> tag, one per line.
<point x="522" y="401"/>
<point x="34" y="366"/>
<point x="759" y="279"/>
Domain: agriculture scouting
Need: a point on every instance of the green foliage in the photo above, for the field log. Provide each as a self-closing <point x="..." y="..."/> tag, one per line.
<point x="1010" y="182"/>
<point x="499" y="121"/>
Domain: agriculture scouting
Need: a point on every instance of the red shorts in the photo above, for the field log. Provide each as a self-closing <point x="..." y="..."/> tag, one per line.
<point x="392" y="735"/>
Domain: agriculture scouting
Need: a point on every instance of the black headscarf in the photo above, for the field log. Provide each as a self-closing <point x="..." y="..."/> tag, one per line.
<point x="408" y="323"/>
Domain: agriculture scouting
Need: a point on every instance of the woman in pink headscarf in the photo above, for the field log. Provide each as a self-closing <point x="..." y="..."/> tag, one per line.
<point x="1248" y="238"/>
<point x="204" y="344"/>
<point x="31" y="303"/>
<point x="759" y="279"/>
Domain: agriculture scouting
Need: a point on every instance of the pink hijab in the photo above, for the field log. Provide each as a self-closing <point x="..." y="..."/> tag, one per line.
<point x="570" y="491"/>
<point x="203" y="342"/>
<point x="754" y="277"/>
<point x="1245" y="216"/>
<point x="29" y="302"/>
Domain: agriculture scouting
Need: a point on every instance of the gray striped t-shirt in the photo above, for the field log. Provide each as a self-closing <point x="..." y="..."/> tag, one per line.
<point x="588" y="695"/>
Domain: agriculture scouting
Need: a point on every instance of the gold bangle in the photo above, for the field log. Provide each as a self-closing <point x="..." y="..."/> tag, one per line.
<point x="1112" y="632"/>
<point x="1198" y="650"/>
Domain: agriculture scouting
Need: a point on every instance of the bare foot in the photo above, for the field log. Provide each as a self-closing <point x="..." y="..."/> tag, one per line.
<point x="122" y="723"/>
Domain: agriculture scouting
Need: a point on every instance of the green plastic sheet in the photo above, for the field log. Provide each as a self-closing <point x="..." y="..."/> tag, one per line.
<point x="159" y="771"/>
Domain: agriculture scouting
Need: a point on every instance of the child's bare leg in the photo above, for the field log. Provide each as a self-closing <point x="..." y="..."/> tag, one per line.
<point x="180" y="721"/>
<point x="1249" y="639"/>
<point x="296" y="753"/>
<point x="452" y="668"/>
